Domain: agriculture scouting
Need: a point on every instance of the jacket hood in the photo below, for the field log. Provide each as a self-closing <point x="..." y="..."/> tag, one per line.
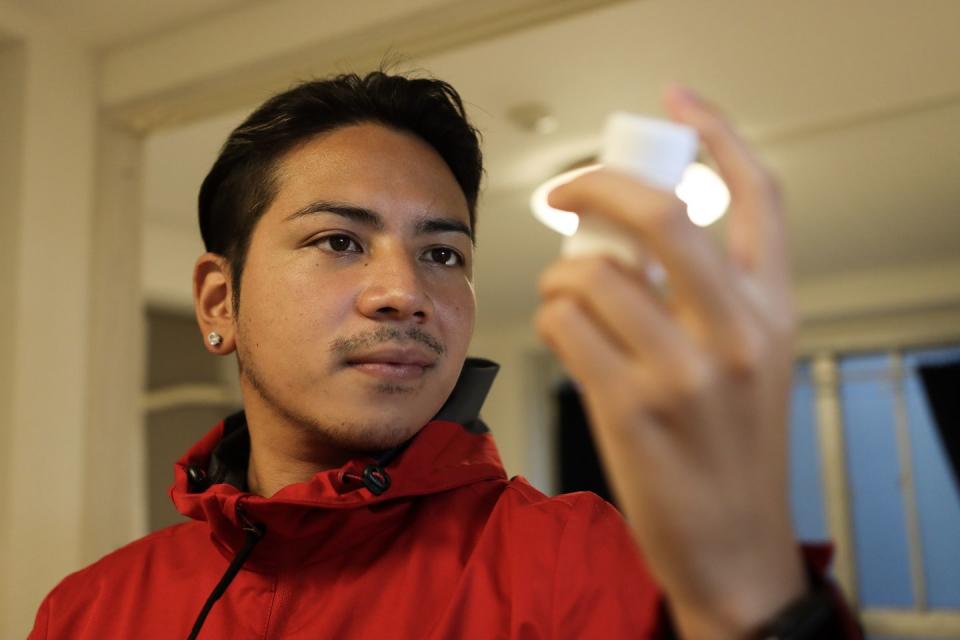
<point x="367" y="493"/>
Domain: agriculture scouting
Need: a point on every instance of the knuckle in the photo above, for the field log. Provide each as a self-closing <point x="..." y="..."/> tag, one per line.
<point x="541" y="320"/>
<point x="573" y="276"/>
<point x="667" y="215"/>
<point x="594" y="272"/>
<point x="559" y="310"/>
<point x="743" y="359"/>
<point x="549" y="278"/>
<point x="586" y="274"/>
<point x="543" y="283"/>
<point x="551" y="323"/>
<point x="741" y="364"/>
<point x="687" y="385"/>
<point x="659" y="405"/>
<point x="714" y="126"/>
<point x="548" y="310"/>
<point x="548" y="316"/>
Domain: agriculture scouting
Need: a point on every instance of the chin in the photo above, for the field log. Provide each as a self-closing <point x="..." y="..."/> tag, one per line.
<point x="361" y="437"/>
<point x="374" y="415"/>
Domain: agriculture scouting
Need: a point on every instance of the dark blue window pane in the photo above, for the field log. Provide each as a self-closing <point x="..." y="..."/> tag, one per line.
<point x="938" y="502"/>
<point x="878" y="515"/>
<point x="806" y="489"/>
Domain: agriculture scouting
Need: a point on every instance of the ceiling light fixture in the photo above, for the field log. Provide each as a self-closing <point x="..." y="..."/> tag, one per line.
<point x="534" y="117"/>
<point x="701" y="189"/>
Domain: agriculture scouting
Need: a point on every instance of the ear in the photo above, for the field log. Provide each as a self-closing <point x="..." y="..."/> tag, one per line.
<point x="213" y="302"/>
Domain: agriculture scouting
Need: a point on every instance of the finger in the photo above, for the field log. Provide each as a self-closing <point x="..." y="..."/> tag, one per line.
<point x="586" y="352"/>
<point x="612" y="383"/>
<point x="621" y="305"/>
<point x="756" y="229"/>
<point x="699" y="274"/>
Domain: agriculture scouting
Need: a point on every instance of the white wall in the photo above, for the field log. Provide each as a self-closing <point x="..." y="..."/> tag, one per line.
<point x="11" y="113"/>
<point x="43" y="416"/>
<point x="894" y="306"/>
<point x="113" y="437"/>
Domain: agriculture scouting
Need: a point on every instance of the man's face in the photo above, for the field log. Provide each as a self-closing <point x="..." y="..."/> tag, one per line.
<point x="357" y="301"/>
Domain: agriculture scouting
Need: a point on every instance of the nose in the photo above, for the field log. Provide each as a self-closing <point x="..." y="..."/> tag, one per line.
<point x="394" y="289"/>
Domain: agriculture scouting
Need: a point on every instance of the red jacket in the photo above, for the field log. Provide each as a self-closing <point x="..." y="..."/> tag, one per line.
<point x="450" y="549"/>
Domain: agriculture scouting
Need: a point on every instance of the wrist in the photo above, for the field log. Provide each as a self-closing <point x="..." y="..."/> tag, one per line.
<point x="816" y="613"/>
<point x="750" y="600"/>
<point x="727" y="621"/>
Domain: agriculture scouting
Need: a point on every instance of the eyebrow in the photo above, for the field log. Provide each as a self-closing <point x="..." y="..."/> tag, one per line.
<point x="371" y="218"/>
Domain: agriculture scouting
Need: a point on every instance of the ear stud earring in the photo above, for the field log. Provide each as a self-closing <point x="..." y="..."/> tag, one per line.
<point x="214" y="339"/>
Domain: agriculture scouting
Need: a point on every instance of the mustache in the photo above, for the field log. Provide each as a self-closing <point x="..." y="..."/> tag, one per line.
<point x="343" y="347"/>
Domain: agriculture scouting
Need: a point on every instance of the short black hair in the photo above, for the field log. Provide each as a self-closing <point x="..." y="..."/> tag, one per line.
<point x="242" y="182"/>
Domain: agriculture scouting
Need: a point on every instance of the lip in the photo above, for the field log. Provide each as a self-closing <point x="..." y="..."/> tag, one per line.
<point x="403" y="364"/>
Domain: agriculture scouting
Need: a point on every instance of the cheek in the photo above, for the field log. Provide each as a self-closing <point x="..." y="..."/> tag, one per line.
<point x="289" y="307"/>
<point x="319" y="306"/>
<point x="457" y="317"/>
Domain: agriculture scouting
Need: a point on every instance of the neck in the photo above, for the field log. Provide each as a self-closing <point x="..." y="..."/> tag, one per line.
<point x="270" y="471"/>
<point x="283" y="453"/>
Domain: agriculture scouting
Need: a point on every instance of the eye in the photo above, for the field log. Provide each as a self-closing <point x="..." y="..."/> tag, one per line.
<point x="445" y="256"/>
<point x="338" y="243"/>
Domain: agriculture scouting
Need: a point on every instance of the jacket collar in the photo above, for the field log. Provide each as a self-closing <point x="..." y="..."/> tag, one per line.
<point x="454" y="449"/>
<point x="229" y="458"/>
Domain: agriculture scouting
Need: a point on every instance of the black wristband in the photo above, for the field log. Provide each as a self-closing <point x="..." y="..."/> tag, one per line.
<point x="813" y="616"/>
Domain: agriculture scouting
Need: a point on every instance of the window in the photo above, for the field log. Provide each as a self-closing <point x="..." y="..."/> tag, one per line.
<point x="869" y="471"/>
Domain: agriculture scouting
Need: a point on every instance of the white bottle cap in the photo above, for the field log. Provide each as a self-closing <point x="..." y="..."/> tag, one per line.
<point x="655" y="151"/>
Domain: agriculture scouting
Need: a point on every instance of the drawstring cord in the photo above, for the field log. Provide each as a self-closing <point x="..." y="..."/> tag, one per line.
<point x="254" y="533"/>
<point x="374" y="477"/>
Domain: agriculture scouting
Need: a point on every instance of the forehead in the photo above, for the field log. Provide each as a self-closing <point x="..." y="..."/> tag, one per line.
<point x="371" y="166"/>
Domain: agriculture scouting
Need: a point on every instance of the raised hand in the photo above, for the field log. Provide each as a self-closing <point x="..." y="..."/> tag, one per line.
<point x="687" y="393"/>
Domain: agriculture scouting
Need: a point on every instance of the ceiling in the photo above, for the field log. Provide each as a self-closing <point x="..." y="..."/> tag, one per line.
<point x="105" y="24"/>
<point x="856" y="105"/>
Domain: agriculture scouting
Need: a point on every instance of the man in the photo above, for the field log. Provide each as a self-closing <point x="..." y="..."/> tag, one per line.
<point x="359" y="495"/>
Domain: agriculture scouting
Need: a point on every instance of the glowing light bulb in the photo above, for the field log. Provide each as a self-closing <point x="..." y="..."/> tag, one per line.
<point x="561" y="221"/>
<point x="701" y="189"/>
<point x="705" y="194"/>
